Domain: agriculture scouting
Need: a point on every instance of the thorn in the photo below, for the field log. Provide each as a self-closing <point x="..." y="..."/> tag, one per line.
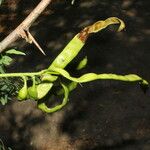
<point x="31" y="39"/>
<point x="80" y="84"/>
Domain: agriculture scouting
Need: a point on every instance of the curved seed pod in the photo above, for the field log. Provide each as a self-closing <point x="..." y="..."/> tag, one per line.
<point x="82" y="63"/>
<point x="44" y="107"/>
<point x="22" y="94"/>
<point x="71" y="86"/>
<point x="100" y="25"/>
<point x="92" y="76"/>
<point x="76" y="44"/>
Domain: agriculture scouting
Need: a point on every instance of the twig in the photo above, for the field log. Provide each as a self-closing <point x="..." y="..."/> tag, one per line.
<point x="24" y="26"/>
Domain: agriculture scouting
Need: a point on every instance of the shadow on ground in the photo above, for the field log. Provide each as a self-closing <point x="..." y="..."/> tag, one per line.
<point x="102" y="115"/>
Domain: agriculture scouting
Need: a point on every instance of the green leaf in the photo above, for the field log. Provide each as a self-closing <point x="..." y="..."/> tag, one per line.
<point x="6" y="60"/>
<point x="43" y="89"/>
<point x="1" y="59"/>
<point x="3" y="100"/>
<point x="15" y="52"/>
<point x="2" y="68"/>
<point x="4" y="87"/>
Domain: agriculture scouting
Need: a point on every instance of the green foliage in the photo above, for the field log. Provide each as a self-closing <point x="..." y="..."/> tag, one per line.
<point x="3" y="147"/>
<point x="5" y="60"/>
<point x="15" y="52"/>
<point x="8" y="87"/>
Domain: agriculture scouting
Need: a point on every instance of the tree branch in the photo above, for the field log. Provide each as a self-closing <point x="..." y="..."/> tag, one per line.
<point x="24" y="26"/>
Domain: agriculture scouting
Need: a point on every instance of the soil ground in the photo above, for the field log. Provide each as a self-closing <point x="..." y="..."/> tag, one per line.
<point x="101" y="115"/>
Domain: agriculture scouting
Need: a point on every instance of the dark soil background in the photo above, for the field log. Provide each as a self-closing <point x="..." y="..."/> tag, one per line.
<point x="101" y="115"/>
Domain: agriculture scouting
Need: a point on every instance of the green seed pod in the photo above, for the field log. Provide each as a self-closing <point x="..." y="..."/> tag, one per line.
<point x="82" y="63"/>
<point x="68" y="53"/>
<point x="43" y="89"/>
<point x="45" y="108"/>
<point x="32" y="92"/>
<point x="48" y="77"/>
<point x="71" y="86"/>
<point x="22" y="94"/>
